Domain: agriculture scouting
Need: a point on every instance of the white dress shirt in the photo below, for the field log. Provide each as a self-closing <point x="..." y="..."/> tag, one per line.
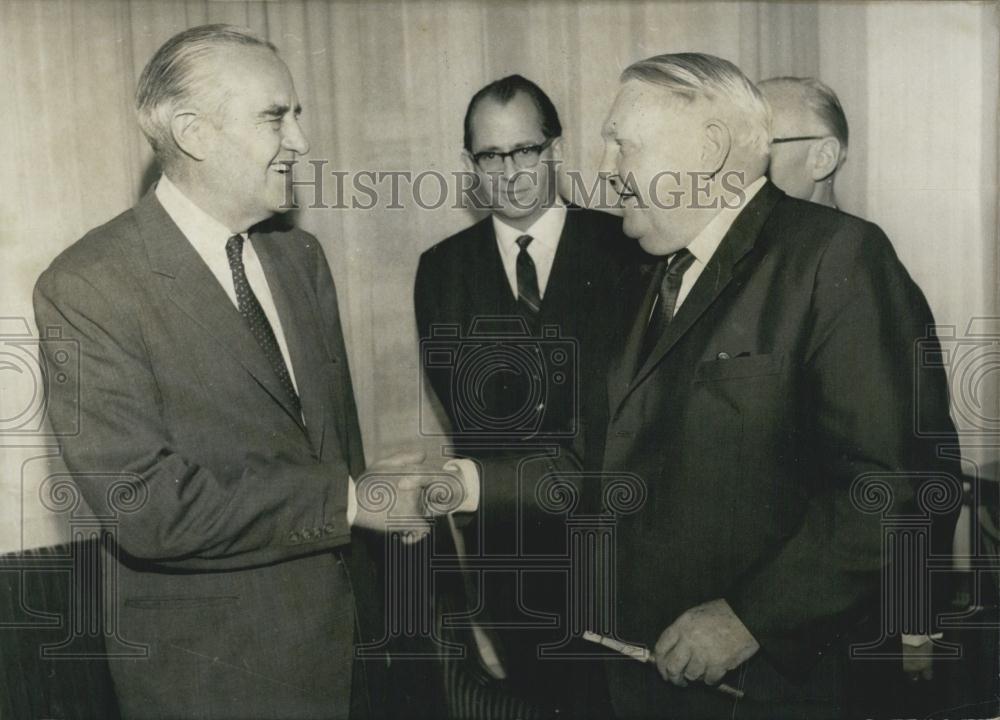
<point x="208" y="237"/>
<point x="546" y="231"/>
<point x="706" y="242"/>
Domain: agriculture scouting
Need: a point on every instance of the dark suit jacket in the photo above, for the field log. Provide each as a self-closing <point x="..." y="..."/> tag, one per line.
<point x="786" y="375"/>
<point x="224" y="506"/>
<point x="461" y="280"/>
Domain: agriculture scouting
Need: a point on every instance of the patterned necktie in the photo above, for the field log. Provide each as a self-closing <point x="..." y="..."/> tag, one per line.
<point x="256" y="320"/>
<point x="666" y="300"/>
<point x="528" y="297"/>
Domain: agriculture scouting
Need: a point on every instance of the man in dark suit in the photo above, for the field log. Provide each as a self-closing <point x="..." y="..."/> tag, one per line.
<point x="519" y="300"/>
<point x="218" y="435"/>
<point x="765" y="397"/>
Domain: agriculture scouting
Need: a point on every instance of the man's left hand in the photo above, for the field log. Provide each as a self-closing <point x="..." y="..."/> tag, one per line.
<point x="704" y="644"/>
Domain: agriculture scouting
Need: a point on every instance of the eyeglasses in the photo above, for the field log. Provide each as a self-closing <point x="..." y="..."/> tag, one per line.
<point x="778" y="141"/>
<point x="524" y="157"/>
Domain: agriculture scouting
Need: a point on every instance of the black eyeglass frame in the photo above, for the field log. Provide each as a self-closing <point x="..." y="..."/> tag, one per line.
<point x="502" y="156"/>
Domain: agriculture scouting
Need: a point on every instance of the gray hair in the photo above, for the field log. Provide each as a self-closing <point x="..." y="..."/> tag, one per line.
<point x="175" y="76"/>
<point x="697" y="75"/>
<point x="821" y="100"/>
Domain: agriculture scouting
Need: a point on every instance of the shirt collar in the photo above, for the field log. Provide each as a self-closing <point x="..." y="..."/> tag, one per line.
<point x="545" y="230"/>
<point x="201" y="229"/>
<point x="705" y="244"/>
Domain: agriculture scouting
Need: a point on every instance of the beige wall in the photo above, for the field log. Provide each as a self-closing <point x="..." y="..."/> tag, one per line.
<point x="385" y="86"/>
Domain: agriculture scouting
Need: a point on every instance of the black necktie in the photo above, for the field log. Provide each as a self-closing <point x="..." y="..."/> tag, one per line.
<point x="528" y="297"/>
<point x="256" y="320"/>
<point x="670" y="276"/>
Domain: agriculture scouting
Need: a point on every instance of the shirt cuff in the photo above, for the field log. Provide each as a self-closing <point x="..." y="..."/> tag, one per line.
<point x="470" y="483"/>
<point x="352" y="501"/>
<point x="918" y="640"/>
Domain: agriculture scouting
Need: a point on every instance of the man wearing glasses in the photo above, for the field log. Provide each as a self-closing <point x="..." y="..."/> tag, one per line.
<point x="522" y="297"/>
<point x="810" y="137"/>
<point x="536" y="265"/>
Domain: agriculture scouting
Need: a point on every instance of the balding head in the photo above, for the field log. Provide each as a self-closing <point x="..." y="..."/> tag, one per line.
<point x="809" y="137"/>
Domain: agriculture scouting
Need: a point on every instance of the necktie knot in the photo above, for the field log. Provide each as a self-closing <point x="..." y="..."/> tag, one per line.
<point x="234" y="249"/>
<point x="680" y="262"/>
<point x="524" y="241"/>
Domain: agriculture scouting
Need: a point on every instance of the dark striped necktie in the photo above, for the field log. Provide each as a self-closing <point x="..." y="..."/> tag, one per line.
<point x="669" y="276"/>
<point x="257" y="321"/>
<point x="528" y="297"/>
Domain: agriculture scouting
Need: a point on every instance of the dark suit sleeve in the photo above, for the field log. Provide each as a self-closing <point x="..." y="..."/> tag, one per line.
<point x="170" y="510"/>
<point x="857" y="416"/>
<point x="431" y="311"/>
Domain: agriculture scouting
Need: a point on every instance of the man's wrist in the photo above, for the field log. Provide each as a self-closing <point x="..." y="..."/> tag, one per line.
<point x="468" y="472"/>
<point x="352" y="501"/>
<point x="919" y="640"/>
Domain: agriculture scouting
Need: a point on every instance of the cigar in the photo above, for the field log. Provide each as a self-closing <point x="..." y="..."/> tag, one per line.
<point x="637" y="652"/>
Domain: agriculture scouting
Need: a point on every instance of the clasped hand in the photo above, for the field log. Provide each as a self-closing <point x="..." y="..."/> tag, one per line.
<point x="400" y="493"/>
<point x="704" y="644"/>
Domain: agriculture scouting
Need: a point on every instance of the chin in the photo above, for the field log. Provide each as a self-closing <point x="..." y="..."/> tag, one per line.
<point x="633" y="227"/>
<point x="506" y="210"/>
<point x="652" y="245"/>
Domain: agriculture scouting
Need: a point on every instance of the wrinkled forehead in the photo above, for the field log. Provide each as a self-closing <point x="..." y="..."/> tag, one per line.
<point x="642" y="105"/>
<point x="255" y="75"/>
<point x="516" y="120"/>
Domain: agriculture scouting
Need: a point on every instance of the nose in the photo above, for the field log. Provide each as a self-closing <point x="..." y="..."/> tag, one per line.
<point x="509" y="167"/>
<point x="294" y="139"/>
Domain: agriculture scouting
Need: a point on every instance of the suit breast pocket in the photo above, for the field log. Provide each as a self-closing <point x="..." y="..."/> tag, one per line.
<point x="745" y="367"/>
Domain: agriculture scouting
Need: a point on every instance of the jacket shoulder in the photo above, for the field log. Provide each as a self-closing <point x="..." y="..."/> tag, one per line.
<point x="456" y="246"/>
<point x="101" y="252"/>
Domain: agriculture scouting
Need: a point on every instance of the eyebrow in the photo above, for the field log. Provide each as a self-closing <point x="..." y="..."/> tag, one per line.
<point x="277" y="110"/>
<point x="517" y="146"/>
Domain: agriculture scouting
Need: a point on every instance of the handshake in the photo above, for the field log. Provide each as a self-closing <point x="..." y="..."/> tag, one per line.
<point x="401" y="493"/>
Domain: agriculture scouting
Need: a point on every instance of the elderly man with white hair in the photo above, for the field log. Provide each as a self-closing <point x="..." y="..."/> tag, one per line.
<point x="765" y="389"/>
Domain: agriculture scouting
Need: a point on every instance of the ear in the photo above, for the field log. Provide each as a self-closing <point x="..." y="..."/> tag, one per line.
<point x="190" y="131"/>
<point x="825" y="158"/>
<point x="717" y="141"/>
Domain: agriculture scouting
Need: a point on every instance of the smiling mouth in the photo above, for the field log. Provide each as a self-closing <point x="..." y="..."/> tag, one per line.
<point x="283" y="167"/>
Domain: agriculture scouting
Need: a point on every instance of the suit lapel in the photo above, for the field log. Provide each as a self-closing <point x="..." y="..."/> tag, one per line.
<point x="196" y="291"/>
<point x="564" y="277"/>
<point x="297" y="312"/>
<point x="636" y="289"/>
<point x="716" y="276"/>
<point x="487" y="282"/>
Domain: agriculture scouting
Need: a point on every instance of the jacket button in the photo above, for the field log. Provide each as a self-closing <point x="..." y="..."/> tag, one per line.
<point x="723" y="356"/>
